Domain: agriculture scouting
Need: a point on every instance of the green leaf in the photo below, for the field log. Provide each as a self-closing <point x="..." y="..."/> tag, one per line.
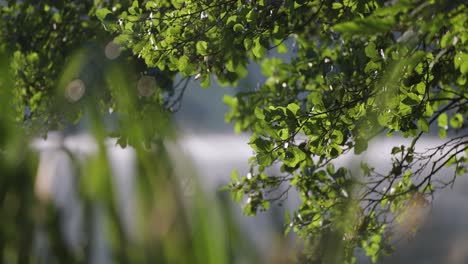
<point x="337" y="5"/>
<point x="366" y="26"/>
<point x="334" y="151"/>
<point x="107" y="19"/>
<point x="282" y="48"/>
<point x="259" y="113"/>
<point x="461" y="62"/>
<point x="235" y="176"/>
<point x="405" y="109"/>
<point x="258" y="50"/>
<point x="259" y="144"/>
<point x="151" y="5"/>
<point x="456" y="121"/>
<point x="371" y="50"/>
<point x="102" y="13"/>
<point x="428" y="111"/>
<point x="231" y="21"/>
<point x="360" y="145"/>
<point x="185" y="66"/>
<point x="337" y="137"/>
<point x="202" y="47"/>
<point x="293" y="107"/>
<point x="135" y="8"/>
<point x="251" y="16"/>
<point x="443" y="120"/>
<point x="182" y="63"/>
<point x="292" y="156"/>
<point x="248" y="43"/>
<point x="347" y="27"/>
<point x="421" y="88"/>
<point x="238" y="28"/>
<point x="396" y="150"/>
<point x="230" y="101"/>
<point x="423" y="125"/>
<point x="446" y="40"/>
<point x="464" y="66"/>
<point x="264" y="159"/>
<point x="442" y="133"/>
<point x="206" y="81"/>
<point x="330" y="168"/>
<point x="230" y="66"/>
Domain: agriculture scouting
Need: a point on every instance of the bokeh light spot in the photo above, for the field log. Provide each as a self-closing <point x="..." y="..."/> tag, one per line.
<point x="112" y="50"/>
<point x="146" y="86"/>
<point x="75" y="90"/>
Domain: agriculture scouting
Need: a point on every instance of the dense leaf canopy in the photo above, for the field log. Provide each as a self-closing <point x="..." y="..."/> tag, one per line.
<point x="352" y="70"/>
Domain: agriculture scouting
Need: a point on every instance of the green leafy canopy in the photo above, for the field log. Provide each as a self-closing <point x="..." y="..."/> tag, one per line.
<point x="355" y="69"/>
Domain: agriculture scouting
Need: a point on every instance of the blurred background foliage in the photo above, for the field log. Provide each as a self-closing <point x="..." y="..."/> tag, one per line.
<point x="172" y="223"/>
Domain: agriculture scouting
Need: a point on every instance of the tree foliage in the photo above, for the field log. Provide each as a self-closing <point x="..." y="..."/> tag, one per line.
<point x="40" y="49"/>
<point x="58" y="52"/>
<point x="352" y="70"/>
<point x="356" y="69"/>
